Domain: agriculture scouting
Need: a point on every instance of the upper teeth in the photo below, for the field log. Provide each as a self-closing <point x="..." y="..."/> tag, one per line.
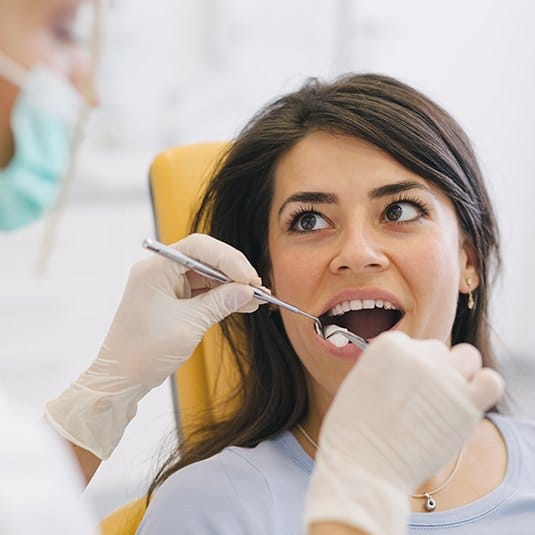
<point x="359" y="304"/>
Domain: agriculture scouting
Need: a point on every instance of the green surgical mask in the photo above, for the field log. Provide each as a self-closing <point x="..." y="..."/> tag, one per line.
<point x="42" y="122"/>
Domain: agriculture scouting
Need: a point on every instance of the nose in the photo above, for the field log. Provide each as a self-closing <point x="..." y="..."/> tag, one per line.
<point x="359" y="249"/>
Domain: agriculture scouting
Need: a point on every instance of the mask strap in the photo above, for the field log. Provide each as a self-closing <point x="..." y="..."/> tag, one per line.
<point x="96" y="43"/>
<point x="11" y="70"/>
<point x="53" y="220"/>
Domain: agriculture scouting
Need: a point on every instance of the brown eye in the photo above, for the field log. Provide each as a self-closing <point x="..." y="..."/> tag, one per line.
<point x="308" y="222"/>
<point x="403" y="212"/>
<point x="64" y="34"/>
<point x="393" y="212"/>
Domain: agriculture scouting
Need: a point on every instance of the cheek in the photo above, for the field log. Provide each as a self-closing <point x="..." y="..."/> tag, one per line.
<point x="64" y="58"/>
<point x="294" y="274"/>
<point x="32" y="45"/>
<point x="426" y="261"/>
<point x="432" y="271"/>
<point x="293" y="278"/>
<point x="435" y="255"/>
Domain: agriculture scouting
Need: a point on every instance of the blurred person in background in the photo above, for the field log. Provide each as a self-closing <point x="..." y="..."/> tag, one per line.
<point x="46" y="88"/>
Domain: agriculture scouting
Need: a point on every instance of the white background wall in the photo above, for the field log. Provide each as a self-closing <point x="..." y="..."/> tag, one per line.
<point x="195" y="70"/>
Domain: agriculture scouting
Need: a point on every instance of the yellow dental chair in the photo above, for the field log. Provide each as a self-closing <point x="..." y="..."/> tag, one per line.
<point x="177" y="178"/>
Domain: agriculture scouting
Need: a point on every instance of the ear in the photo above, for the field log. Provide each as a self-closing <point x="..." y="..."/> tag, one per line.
<point x="469" y="266"/>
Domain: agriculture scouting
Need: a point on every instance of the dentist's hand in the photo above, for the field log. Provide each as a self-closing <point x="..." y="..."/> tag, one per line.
<point x="164" y="313"/>
<point x="403" y="411"/>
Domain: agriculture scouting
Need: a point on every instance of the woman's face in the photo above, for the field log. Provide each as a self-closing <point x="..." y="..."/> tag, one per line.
<point x="350" y="228"/>
<point x="43" y="32"/>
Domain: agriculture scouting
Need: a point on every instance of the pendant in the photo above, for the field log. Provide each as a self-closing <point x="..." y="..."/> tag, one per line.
<point x="430" y="503"/>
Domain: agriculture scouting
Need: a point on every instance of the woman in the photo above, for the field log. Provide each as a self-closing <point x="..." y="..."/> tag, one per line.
<point x="360" y="201"/>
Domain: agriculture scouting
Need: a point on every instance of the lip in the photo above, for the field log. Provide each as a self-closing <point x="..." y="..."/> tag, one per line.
<point x="351" y="351"/>
<point x="348" y="352"/>
<point x="361" y="293"/>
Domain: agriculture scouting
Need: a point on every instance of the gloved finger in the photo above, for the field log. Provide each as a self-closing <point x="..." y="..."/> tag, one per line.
<point x="211" y="307"/>
<point x="252" y="306"/>
<point x="466" y="359"/>
<point x="486" y="388"/>
<point x="255" y="303"/>
<point x="200" y="284"/>
<point x="221" y="256"/>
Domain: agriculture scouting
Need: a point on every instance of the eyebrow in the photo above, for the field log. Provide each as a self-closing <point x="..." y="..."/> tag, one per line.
<point x="319" y="197"/>
<point x="316" y="197"/>
<point x="398" y="187"/>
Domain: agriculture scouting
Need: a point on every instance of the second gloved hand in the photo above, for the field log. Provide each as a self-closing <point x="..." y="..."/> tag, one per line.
<point x="403" y="411"/>
<point x="164" y="313"/>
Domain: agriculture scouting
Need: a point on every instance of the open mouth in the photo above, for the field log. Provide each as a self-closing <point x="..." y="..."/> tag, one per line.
<point x="367" y="318"/>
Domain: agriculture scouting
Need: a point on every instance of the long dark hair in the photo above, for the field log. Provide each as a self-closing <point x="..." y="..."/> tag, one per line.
<point x="399" y="120"/>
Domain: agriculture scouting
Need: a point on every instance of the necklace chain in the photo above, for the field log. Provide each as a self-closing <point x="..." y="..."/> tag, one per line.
<point x="430" y="504"/>
<point x="450" y="477"/>
<point x="307" y="436"/>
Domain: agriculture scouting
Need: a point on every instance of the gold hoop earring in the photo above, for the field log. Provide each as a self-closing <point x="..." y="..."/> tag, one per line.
<point x="471" y="302"/>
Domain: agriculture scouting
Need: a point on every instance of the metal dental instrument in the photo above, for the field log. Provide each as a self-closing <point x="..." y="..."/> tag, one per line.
<point x="217" y="275"/>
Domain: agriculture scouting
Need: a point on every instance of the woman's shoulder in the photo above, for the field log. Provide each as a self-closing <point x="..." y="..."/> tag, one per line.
<point x="207" y="497"/>
<point x="240" y="488"/>
<point x="275" y="456"/>
<point x="523" y="426"/>
<point x="519" y="436"/>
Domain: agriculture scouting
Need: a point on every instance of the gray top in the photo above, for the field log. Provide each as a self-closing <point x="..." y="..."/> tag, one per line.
<point x="261" y="490"/>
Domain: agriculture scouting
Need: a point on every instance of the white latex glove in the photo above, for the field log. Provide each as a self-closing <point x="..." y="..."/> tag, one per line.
<point x="156" y="328"/>
<point x="403" y="411"/>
